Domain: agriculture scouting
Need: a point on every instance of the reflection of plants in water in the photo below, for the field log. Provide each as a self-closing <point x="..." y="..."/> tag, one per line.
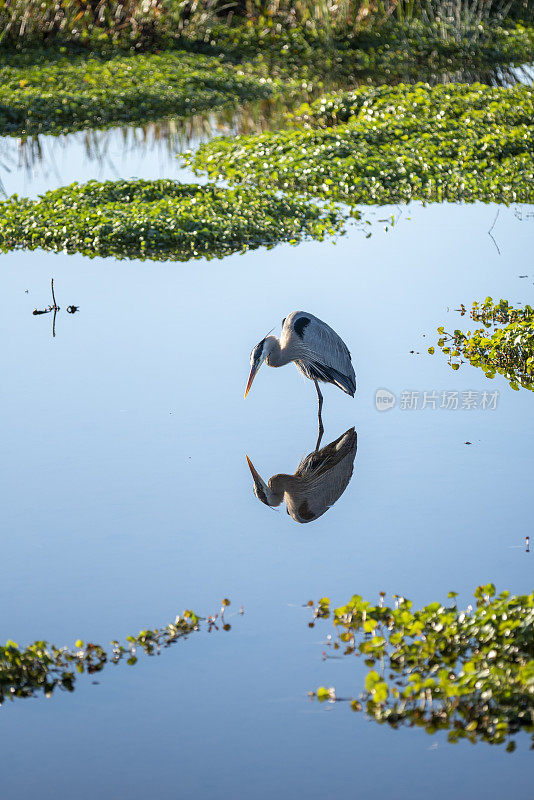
<point x="469" y="672"/>
<point x="171" y="135"/>
<point x="165" y="137"/>
<point x="159" y="219"/>
<point x="42" y="667"/>
<point x="57" y="89"/>
<point x="56" y="93"/>
<point x="508" y="349"/>
<point x="388" y="150"/>
<point x="310" y="53"/>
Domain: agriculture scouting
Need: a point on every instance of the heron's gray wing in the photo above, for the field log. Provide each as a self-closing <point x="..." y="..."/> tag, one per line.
<point x="328" y="456"/>
<point x="325" y="356"/>
<point x="321" y="479"/>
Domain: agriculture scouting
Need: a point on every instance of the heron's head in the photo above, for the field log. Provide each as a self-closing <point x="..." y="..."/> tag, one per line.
<point x="257" y="357"/>
<point x="262" y="490"/>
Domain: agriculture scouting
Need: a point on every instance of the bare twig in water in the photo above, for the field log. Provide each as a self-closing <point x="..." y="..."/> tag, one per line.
<point x="55" y="308"/>
<point x="490" y="230"/>
<point x="55" y="305"/>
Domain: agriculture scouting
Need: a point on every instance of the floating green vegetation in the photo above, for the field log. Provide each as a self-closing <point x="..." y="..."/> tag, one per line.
<point x="53" y="92"/>
<point x="398" y="146"/>
<point x="508" y="349"/>
<point x="469" y="672"/>
<point x="41" y="667"/>
<point x="420" y="105"/>
<point x="382" y="50"/>
<point x="159" y="219"/>
<point x="52" y="85"/>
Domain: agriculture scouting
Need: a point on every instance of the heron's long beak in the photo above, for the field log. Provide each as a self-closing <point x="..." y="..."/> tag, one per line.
<point x="255" y="474"/>
<point x="261" y="489"/>
<point x="251" y="377"/>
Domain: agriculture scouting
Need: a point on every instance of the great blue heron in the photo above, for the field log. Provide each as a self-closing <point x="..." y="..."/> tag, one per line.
<point x="319" y="480"/>
<point x="318" y="352"/>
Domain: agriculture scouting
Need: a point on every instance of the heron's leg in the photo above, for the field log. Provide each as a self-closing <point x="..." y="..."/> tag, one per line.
<point x="321" y="429"/>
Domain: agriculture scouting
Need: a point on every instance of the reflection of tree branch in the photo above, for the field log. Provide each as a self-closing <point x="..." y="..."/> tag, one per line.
<point x="53" y="295"/>
<point x="55" y="308"/>
<point x="490" y="230"/>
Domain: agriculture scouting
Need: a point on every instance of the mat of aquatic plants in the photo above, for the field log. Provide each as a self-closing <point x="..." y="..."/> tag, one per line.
<point x="43" y="667"/>
<point x="505" y="345"/>
<point x="61" y="88"/>
<point x="469" y="672"/>
<point x="382" y="51"/>
<point x="59" y="92"/>
<point x="393" y="144"/>
<point x="160" y="219"/>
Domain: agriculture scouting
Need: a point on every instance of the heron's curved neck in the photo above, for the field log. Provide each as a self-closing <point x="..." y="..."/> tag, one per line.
<point x="277" y="355"/>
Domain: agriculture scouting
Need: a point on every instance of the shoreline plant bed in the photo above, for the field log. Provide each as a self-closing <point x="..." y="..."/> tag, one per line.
<point x="58" y="93"/>
<point x="288" y="33"/>
<point x="389" y="49"/>
<point x="468" y="672"/>
<point x="42" y="667"/>
<point x="398" y="146"/>
<point x="63" y="83"/>
<point x="160" y="219"/>
<point x="505" y="345"/>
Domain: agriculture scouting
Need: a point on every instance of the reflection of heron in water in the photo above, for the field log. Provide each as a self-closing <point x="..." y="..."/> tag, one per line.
<point x="318" y="482"/>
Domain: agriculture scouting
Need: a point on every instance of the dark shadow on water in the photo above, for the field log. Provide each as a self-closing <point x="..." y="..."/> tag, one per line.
<point x="316" y="485"/>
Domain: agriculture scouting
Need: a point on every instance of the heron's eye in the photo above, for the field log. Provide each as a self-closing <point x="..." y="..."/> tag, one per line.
<point x="256" y="353"/>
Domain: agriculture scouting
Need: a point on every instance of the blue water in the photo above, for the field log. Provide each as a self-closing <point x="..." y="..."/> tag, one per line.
<point x="126" y="497"/>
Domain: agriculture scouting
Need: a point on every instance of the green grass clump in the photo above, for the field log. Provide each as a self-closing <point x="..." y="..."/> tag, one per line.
<point x="505" y="345"/>
<point x="59" y="93"/>
<point x="469" y="672"/>
<point x="454" y="143"/>
<point x="160" y="219"/>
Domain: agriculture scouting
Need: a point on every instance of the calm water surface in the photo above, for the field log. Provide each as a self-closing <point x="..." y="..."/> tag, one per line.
<point x="126" y="497"/>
